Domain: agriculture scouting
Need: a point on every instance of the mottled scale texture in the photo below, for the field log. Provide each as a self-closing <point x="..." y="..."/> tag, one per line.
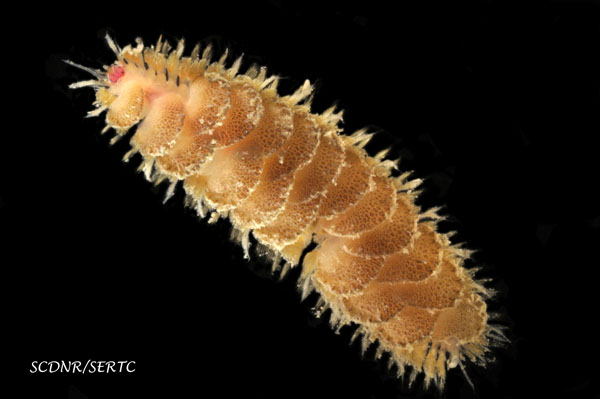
<point x="289" y="177"/>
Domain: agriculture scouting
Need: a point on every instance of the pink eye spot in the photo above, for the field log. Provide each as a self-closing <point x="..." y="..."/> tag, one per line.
<point x="116" y="73"/>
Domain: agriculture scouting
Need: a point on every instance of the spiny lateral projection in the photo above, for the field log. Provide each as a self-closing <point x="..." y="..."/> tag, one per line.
<point x="290" y="177"/>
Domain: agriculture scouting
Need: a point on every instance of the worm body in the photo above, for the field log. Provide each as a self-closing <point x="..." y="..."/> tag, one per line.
<point x="289" y="177"/>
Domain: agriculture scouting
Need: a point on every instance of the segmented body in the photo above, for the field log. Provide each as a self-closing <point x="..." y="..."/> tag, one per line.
<point x="288" y="177"/>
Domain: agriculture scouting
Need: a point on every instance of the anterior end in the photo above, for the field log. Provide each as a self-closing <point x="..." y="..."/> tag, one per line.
<point x="115" y="73"/>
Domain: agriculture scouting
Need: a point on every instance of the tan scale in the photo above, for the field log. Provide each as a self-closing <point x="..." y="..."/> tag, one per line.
<point x="409" y="325"/>
<point x="309" y="186"/>
<point x="126" y="110"/>
<point x="242" y="117"/>
<point x="438" y="291"/>
<point x="243" y="114"/>
<point x="415" y="263"/>
<point x="208" y="103"/>
<point x="161" y="127"/>
<point x="373" y="208"/>
<point x="234" y="171"/>
<point x="389" y="236"/>
<point x="341" y="272"/>
<point x="352" y="183"/>
<point x="277" y="178"/>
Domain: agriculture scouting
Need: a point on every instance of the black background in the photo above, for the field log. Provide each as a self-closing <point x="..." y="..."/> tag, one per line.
<point x="495" y="104"/>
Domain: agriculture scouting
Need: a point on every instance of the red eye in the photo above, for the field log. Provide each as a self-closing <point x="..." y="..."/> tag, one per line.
<point x="116" y="73"/>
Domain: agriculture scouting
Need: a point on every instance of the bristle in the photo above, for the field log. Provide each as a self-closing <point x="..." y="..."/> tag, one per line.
<point x="96" y="112"/>
<point x="195" y="52"/>
<point x="97" y="73"/>
<point x="207" y="53"/>
<point x="235" y="67"/>
<point x="301" y="93"/>
<point x="113" y="46"/>
<point x="87" y="83"/>
<point x="221" y="62"/>
<point x="180" y="47"/>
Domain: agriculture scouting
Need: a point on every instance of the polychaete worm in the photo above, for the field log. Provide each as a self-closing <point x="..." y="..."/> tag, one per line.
<point x="288" y="177"/>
